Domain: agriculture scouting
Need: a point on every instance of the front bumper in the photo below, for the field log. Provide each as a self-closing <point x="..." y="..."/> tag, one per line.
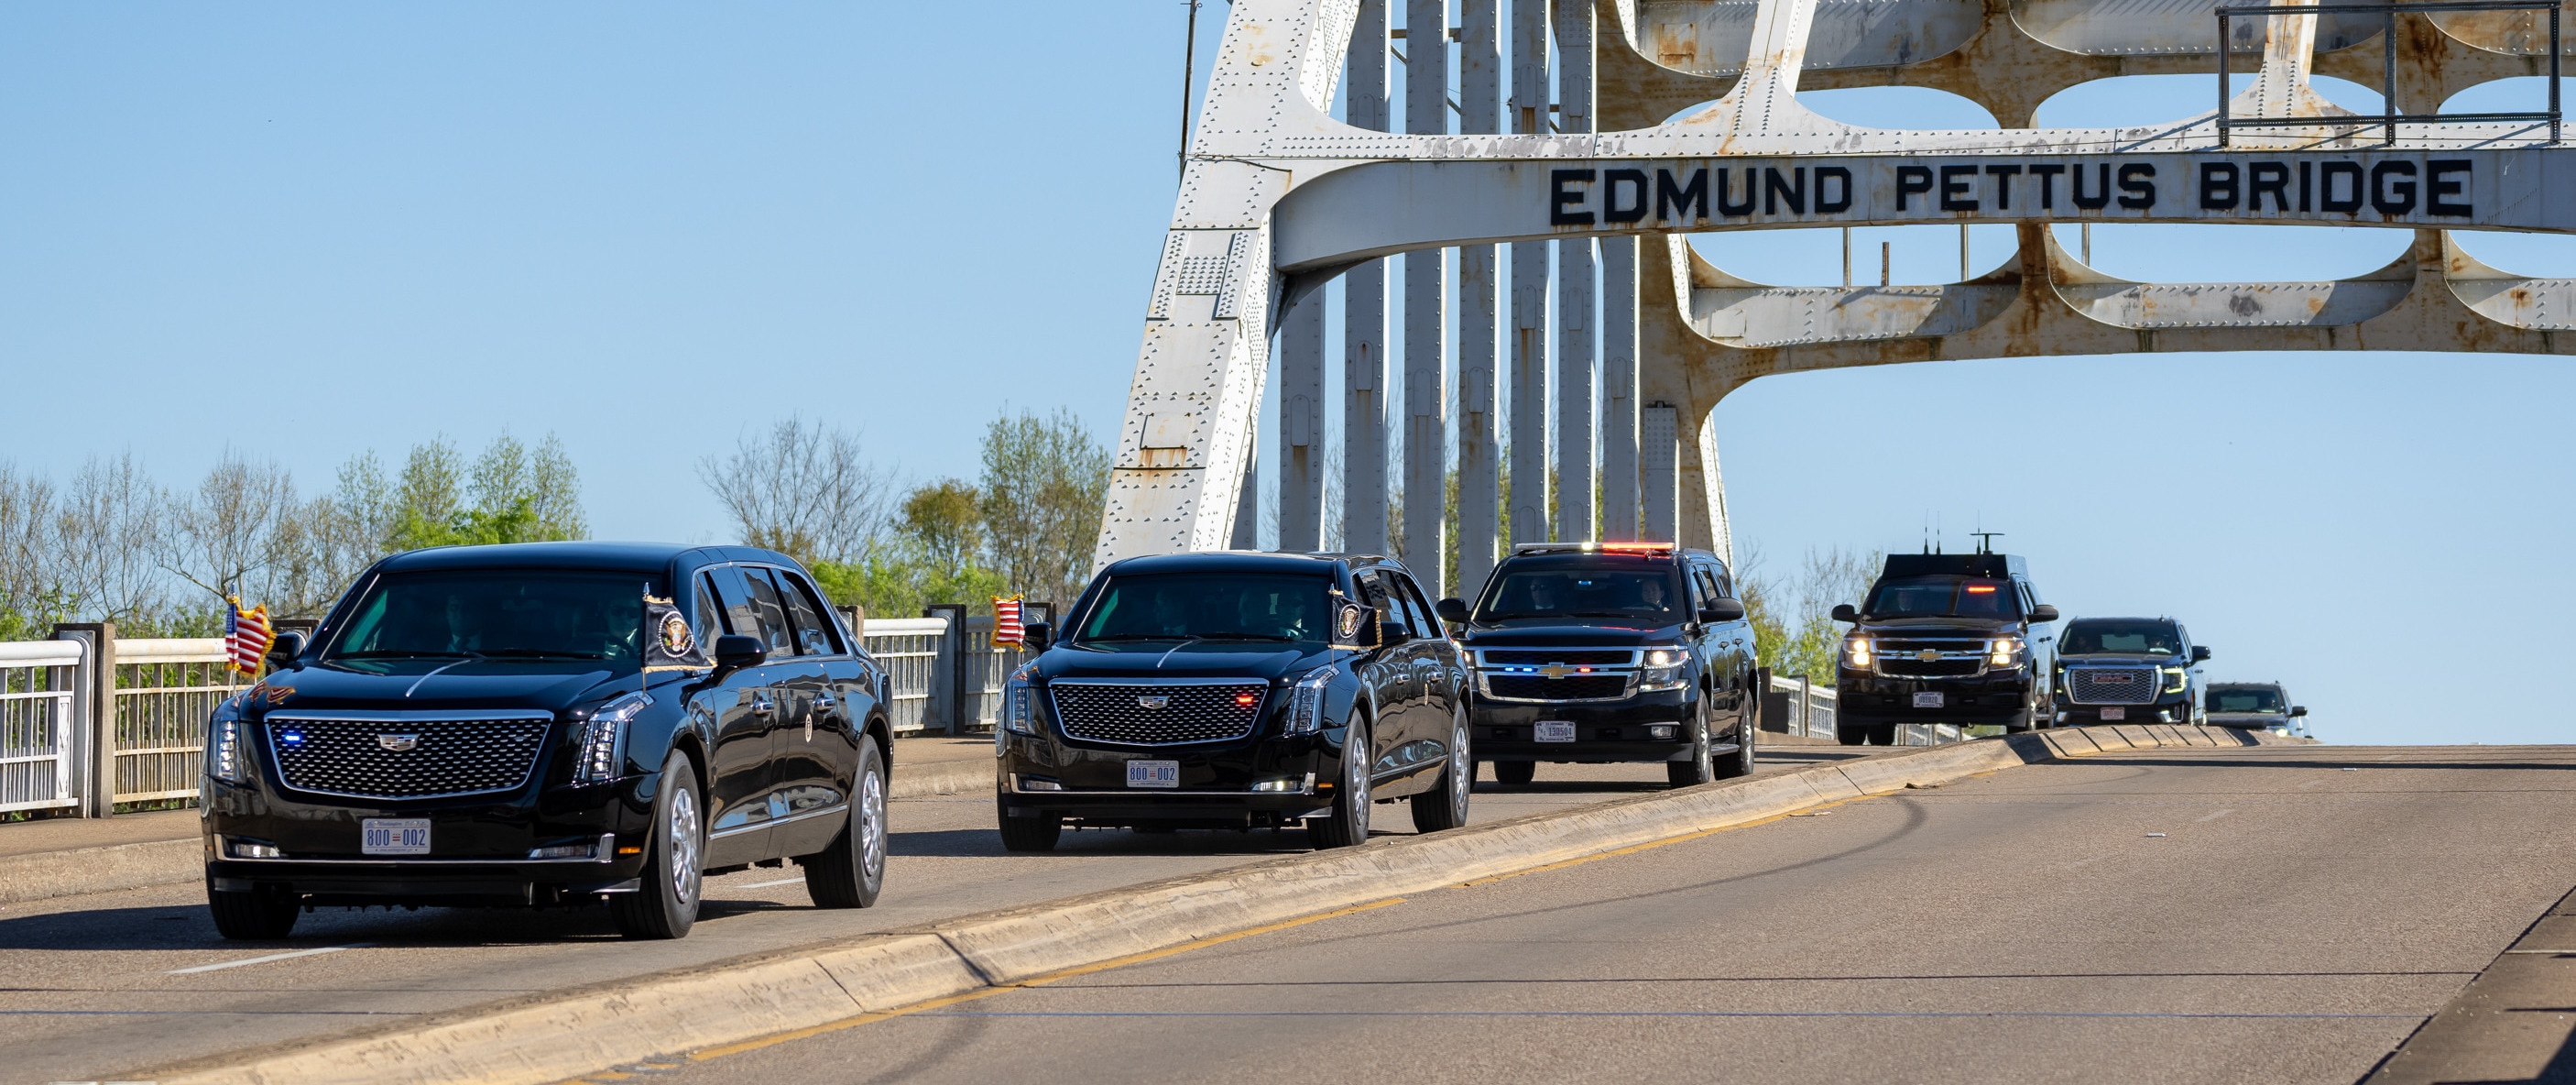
<point x="1089" y="782"/>
<point x="1604" y="731"/>
<point x="2172" y="708"/>
<point x="1994" y="698"/>
<point x="479" y="848"/>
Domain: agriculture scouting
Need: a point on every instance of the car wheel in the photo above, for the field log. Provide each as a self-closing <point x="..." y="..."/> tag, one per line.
<point x="1748" y="727"/>
<point x="1882" y="734"/>
<point x="1515" y="773"/>
<point x="666" y="905"/>
<point x="850" y="872"/>
<point x="1702" y="767"/>
<point x="1031" y="832"/>
<point x="1445" y="805"/>
<point x="1851" y="732"/>
<point x="255" y="915"/>
<point x="1349" y="823"/>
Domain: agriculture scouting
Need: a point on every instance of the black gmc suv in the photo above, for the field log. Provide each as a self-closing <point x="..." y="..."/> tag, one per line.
<point x="550" y="723"/>
<point x="1942" y="638"/>
<point x="1596" y="653"/>
<point x="2128" y="670"/>
<point x="1235" y="691"/>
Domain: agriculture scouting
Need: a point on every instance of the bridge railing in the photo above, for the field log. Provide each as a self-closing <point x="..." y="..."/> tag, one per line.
<point x="39" y="724"/>
<point x="1801" y="707"/>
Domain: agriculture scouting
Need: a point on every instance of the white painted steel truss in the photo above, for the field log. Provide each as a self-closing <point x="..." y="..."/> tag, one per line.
<point x="1280" y="197"/>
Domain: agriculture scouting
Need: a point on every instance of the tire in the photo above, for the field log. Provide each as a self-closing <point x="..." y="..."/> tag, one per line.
<point x="260" y="915"/>
<point x="1445" y="805"/>
<point x="1349" y="823"/>
<point x="1850" y="733"/>
<point x="1702" y="767"/>
<point x="1515" y="773"/>
<point x="666" y="905"/>
<point x="1748" y="728"/>
<point x="1882" y="734"/>
<point x="1036" y="832"/>
<point x="851" y="872"/>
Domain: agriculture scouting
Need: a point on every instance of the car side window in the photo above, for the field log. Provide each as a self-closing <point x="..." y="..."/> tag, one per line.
<point x="1425" y="623"/>
<point x="1724" y="580"/>
<point x="710" y="615"/>
<point x="770" y="612"/>
<point x="815" y="635"/>
<point x="733" y="592"/>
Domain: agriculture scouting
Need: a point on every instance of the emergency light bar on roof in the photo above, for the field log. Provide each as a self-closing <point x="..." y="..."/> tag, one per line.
<point x="1593" y="548"/>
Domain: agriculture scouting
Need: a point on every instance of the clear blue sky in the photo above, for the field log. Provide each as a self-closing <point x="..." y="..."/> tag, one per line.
<point x="307" y="230"/>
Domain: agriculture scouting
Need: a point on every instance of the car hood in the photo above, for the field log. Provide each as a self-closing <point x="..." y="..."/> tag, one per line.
<point x="2268" y="719"/>
<point x="1232" y="660"/>
<point x="2125" y="659"/>
<point x="481" y="685"/>
<point x="1935" y="628"/>
<point x="1551" y="634"/>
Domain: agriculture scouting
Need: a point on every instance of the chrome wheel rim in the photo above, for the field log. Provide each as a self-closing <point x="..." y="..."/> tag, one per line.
<point x="1707" y="760"/>
<point x="684" y="845"/>
<point x="872" y="831"/>
<point x="1355" y="766"/>
<point x="1462" y="769"/>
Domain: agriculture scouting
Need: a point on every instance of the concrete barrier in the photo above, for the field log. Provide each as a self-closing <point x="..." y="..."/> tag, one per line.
<point x="560" y="1035"/>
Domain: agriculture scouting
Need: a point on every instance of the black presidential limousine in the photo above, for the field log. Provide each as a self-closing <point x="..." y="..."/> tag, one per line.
<point x="551" y="723"/>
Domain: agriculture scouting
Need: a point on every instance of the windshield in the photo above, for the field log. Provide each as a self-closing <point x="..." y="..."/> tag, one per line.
<point x="1629" y="589"/>
<point x="498" y="613"/>
<point x="2245" y="700"/>
<point x="2142" y="638"/>
<point x="1211" y="606"/>
<point x="1943" y="597"/>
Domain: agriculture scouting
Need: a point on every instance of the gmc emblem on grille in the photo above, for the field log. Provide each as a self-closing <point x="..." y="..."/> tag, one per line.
<point x="2115" y="678"/>
<point x="399" y="743"/>
<point x="1152" y="702"/>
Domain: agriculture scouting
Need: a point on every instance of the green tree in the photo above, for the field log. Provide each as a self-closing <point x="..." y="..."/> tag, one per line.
<point x="516" y="496"/>
<point x="1046" y="480"/>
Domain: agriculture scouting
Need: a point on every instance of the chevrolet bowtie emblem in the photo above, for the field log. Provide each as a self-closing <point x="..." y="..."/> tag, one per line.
<point x="398" y="743"/>
<point x="1928" y="655"/>
<point x="1556" y="670"/>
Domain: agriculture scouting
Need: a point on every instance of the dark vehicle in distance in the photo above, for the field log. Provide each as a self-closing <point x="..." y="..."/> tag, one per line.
<point x="551" y="724"/>
<point x="2127" y="670"/>
<point x="1594" y="653"/>
<point x="2255" y="705"/>
<point x="1236" y="691"/>
<point x="1942" y="638"/>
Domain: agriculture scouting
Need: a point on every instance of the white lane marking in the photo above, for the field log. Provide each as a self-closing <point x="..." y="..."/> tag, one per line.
<point x="262" y="960"/>
<point x="2216" y="816"/>
<point x="765" y="885"/>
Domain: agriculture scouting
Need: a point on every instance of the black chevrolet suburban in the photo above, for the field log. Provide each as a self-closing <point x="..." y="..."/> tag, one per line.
<point x="1236" y="691"/>
<point x="550" y="724"/>
<point x="2128" y="670"/>
<point x="1596" y="653"/>
<point x="1942" y="638"/>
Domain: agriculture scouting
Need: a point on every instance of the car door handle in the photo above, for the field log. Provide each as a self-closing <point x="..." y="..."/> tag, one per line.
<point x="761" y="705"/>
<point x="823" y="702"/>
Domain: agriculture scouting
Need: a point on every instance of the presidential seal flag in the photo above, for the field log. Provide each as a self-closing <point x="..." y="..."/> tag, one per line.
<point x="246" y="635"/>
<point x="1007" y="628"/>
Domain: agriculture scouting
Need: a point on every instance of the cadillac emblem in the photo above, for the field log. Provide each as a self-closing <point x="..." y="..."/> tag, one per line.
<point x="1154" y="702"/>
<point x="398" y="743"/>
<point x="676" y="638"/>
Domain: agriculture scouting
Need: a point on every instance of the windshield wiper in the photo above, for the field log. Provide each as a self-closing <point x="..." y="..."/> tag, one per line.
<point x="392" y="653"/>
<point x="540" y="653"/>
<point x="1136" y="636"/>
<point x="1243" y="636"/>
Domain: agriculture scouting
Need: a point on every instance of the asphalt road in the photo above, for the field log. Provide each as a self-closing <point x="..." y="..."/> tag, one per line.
<point x="2275" y="914"/>
<point x="94" y="985"/>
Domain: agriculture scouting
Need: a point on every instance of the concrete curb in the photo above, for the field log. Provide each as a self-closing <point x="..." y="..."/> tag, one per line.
<point x="566" y="1034"/>
<point x="74" y="871"/>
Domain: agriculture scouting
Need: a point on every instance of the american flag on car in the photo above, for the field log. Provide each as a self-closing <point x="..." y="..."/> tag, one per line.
<point x="1007" y="627"/>
<point x="246" y="635"/>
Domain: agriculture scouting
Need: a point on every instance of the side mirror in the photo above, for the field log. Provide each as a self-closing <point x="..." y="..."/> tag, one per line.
<point x="283" y="650"/>
<point x="1452" y="611"/>
<point x="2043" y="613"/>
<point x="1843" y="612"/>
<point x="2298" y="710"/>
<point x="1037" y="635"/>
<point x="1722" y="610"/>
<point x="735" y="652"/>
<point x="2199" y="653"/>
<point x="1390" y="634"/>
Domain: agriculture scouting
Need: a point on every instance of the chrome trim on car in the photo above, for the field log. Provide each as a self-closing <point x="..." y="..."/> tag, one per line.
<point x="607" y="853"/>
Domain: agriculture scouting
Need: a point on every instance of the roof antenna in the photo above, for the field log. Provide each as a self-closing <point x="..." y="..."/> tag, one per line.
<point x="1927" y="531"/>
<point x="1986" y="540"/>
<point x="1936" y="533"/>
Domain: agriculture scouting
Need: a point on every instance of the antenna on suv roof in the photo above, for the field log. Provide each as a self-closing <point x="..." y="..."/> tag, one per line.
<point x="1985" y="541"/>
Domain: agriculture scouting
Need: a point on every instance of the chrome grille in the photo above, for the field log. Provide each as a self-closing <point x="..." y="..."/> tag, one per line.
<point x="1571" y="657"/>
<point x="1579" y="687"/>
<point x="1910" y="667"/>
<point x="1119" y="713"/>
<point x="2112" y="685"/>
<point x="444" y="757"/>
<point x="1952" y="657"/>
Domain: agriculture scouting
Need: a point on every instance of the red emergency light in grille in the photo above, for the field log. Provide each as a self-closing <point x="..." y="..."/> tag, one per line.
<point x="1246" y="700"/>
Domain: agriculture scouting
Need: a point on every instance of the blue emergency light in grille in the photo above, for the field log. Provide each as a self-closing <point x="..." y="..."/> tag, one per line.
<point x="406" y="758"/>
<point x="1157" y="714"/>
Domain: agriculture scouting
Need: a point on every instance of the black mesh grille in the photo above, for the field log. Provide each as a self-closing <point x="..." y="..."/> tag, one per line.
<point x="2112" y="685"/>
<point x="1938" y="668"/>
<point x="446" y="757"/>
<point x="1585" y="687"/>
<point x="1540" y="657"/>
<point x="1144" y="714"/>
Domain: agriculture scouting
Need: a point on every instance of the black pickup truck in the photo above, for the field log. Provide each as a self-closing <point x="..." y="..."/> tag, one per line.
<point x="1942" y="638"/>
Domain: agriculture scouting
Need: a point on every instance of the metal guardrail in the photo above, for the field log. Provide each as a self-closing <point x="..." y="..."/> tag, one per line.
<point x="909" y="649"/>
<point x="165" y="690"/>
<point x="1807" y="709"/>
<point x="38" y="721"/>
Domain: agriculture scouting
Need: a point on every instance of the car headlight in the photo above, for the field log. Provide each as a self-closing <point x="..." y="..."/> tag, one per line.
<point x="2002" y="652"/>
<point x="1306" y="708"/>
<point x="603" y="739"/>
<point x="227" y="759"/>
<point x="1664" y="666"/>
<point x="1019" y="702"/>
<point x="1856" y="653"/>
<point x="2174" y="679"/>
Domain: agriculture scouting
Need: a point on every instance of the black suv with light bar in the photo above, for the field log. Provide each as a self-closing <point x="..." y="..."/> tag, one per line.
<point x="1236" y="691"/>
<point x="1593" y="653"/>
<point x="1942" y="638"/>
<point x="551" y="724"/>
<point x="2128" y="670"/>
